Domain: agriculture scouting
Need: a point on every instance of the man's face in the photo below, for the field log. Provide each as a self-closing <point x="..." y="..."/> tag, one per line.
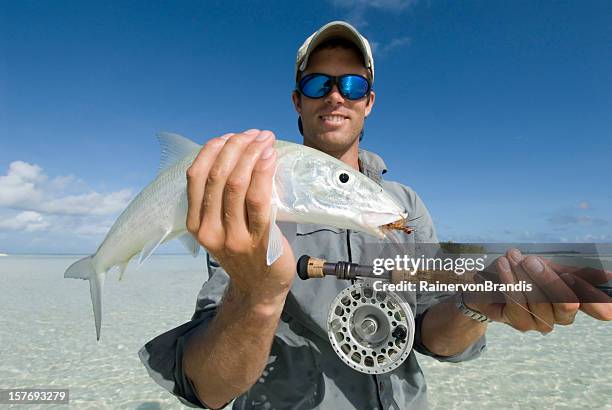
<point x="333" y="123"/>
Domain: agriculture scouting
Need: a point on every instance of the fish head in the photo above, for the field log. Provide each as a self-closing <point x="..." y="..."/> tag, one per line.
<point x="317" y="188"/>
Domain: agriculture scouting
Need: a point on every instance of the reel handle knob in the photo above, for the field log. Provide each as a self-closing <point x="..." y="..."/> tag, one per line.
<point x="400" y="333"/>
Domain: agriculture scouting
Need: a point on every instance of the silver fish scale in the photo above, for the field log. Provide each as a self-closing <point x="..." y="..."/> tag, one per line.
<point x="152" y="213"/>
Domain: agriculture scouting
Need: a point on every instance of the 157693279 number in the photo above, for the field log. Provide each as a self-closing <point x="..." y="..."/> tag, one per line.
<point x="34" y="396"/>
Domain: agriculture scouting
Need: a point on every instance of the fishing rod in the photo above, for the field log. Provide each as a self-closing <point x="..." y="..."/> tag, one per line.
<point x="309" y="267"/>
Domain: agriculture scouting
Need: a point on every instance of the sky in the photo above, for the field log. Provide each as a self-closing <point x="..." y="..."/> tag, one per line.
<point x="498" y="114"/>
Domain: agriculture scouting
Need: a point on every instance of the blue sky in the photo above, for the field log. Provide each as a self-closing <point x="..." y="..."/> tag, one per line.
<point x="497" y="113"/>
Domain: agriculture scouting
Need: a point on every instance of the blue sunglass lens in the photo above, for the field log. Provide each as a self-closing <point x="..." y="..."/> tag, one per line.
<point x="316" y="86"/>
<point x="353" y="87"/>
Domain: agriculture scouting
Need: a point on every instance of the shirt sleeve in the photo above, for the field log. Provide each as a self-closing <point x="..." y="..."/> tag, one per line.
<point x="163" y="356"/>
<point x="472" y="352"/>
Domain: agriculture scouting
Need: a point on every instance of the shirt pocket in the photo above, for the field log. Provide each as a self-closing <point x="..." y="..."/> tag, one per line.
<point x="320" y="241"/>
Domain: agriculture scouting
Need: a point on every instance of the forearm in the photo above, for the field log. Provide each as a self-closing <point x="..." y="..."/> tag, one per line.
<point x="445" y="331"/>
<point x="226" y="358"/>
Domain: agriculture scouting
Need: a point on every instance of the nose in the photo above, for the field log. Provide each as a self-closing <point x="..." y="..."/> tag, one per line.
<point x="334" y="97"/>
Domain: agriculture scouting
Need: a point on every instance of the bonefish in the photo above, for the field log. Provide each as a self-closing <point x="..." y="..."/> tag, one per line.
<point x="309" y="186"/>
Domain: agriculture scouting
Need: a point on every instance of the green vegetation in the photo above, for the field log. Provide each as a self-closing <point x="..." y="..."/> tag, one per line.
<point x="460" y="248"/>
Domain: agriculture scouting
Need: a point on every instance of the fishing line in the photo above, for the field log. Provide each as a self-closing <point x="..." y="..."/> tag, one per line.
<point x="521" y="306"/>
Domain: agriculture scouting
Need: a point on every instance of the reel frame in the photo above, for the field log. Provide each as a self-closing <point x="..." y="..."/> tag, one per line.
<point x="371" y="331"/>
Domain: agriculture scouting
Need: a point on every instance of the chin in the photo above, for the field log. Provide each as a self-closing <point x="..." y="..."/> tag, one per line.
<point x="334" y="140"/>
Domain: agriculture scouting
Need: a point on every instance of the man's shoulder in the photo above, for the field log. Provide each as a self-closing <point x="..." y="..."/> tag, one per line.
<point x="402" y="192"/>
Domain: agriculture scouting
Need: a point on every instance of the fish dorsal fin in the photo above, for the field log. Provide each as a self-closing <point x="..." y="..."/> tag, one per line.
<point x="173" y="148"/>
<point x="151" y="245"/>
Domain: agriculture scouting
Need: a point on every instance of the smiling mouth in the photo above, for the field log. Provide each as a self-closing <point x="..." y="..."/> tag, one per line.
<point x="333" y="119"/>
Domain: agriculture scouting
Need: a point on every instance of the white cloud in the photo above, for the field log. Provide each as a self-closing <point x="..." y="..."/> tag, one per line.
<point x="26" y="187"/>
<point x="383" y="49"/>
<point x="357" y="9"/>
<point x="61" y="209"/>
<point x="19" y="184"/>
<point x="29" y="221"/>
<point x="390" y="5"/>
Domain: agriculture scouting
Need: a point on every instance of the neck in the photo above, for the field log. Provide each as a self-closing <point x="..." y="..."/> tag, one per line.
<point x="348" y="155"/>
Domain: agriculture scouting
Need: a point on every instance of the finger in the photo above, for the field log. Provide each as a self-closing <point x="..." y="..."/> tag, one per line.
<point x="599" y="305"/>
<point x="259" y="195"/>
<point x="592" y="275"/>
<point x="537" y="303"/>
<point x="565" y="303"/>
<point x="211" y="213"/>
<point x="196" y="180"/>
<point x="516" y="311"/>
<point x="235" y="216"/>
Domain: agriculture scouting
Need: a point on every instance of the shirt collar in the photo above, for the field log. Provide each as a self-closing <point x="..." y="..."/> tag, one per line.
<point x="372" y="165"/>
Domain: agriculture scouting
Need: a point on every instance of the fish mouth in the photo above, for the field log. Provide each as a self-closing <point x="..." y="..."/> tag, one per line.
<point x="377" y="223"/>
<point x="377" y="220"/>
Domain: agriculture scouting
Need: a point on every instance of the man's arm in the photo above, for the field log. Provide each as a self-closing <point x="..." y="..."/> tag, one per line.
<point x="229" y="186"/>
<point x="226" y="358"/>
<point x="445" y="331"/>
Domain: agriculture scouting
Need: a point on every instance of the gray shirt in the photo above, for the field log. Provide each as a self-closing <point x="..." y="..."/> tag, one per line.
<point x="303" y="371"/>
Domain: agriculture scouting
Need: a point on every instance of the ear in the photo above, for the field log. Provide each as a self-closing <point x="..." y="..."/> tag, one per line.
<point x="370" y="103"/>
<point x="297" y="101"/>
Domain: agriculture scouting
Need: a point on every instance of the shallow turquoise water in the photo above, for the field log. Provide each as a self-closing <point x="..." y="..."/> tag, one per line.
<point x="48" y="340"/>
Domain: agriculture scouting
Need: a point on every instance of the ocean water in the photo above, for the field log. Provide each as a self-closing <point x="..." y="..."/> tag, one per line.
<point x="47" y="339"/>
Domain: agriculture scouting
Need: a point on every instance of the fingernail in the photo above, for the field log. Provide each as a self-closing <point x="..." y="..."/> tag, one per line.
<point x="568" y="278"/>
<point x="267" y="153"/>
<point x="264" y="135"/>
<point x="533" y="265"/>
<point x="225" y="137"/>
<point x="516" y="255"/>
<point x="504" y="263"/>
<point x="251" y="131"/>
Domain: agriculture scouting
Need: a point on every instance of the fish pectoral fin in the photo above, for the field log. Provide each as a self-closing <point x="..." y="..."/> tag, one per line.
<point x="121" y="266"/>
<point x="151" y="245"/>
<point x="190" y="243"/>
<point x="173" y="148"/>
<point x="275" y="239"/>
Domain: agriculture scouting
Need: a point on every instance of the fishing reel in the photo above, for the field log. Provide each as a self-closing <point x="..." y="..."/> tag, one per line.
<point x="372" y="331"/>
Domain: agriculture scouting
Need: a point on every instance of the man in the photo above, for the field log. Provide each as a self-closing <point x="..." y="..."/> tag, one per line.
<point x="258" y="337"/>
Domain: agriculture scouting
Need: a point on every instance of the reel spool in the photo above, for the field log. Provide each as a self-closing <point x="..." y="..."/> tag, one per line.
<point x="371" y="331"/>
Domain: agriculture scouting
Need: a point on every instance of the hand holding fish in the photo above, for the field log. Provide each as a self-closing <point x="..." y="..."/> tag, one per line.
<point x="558" y="293"/>
<point x="229" y="186"/>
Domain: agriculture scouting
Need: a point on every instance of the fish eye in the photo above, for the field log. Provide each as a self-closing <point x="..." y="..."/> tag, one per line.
<point x="342" y="178"/>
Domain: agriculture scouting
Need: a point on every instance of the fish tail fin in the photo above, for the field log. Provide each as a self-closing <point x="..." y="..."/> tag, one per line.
<point x="84" y="269"/>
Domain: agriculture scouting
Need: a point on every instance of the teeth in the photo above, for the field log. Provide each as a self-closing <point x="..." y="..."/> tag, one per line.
<point x="333" y="118"/>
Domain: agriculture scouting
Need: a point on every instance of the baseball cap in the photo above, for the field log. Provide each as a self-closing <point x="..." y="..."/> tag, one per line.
<point x="335" y="29"/>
